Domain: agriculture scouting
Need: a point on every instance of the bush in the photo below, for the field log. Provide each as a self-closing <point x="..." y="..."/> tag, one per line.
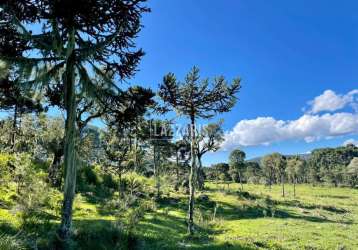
<point x="109" y="182"/>
<point x="11" y="243"/>
<point x="98" y="236"/>
<point x="6" y="166"/>
<point x="254" y="180"/>
<point x="90" y="176"/>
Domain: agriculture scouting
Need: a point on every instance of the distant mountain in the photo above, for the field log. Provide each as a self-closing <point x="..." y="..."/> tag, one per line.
<point x="303" y="156"/>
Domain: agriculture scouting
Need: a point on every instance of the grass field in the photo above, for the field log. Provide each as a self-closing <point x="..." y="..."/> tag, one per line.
<point x="258" y="218"/>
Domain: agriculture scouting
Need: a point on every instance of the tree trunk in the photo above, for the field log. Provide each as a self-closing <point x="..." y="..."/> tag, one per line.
<point x="69" y="145"/>
<point x="192" y="180"/>
<point x="120" y="186"/>
<point x="270" y="180"/>
<point x="135" y="147"/>
<point x="176" y="187"/>
<point x="156" y="172"/>
<point x="200" y="178"/>
<point x="54" y="171"/>
<point x="158" y="177"/>
<point x="283" y="185"/>
<point x="294" y="188"/>
<point x="242" y="187"/>
<point x="14" y="129"/>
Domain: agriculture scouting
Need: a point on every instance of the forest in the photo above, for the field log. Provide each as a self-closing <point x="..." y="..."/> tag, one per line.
<point x="88" y="161"/>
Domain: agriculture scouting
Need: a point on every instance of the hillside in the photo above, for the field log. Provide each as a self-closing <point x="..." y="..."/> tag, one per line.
<point x="258" y="159"/>
<point x="258" y="218"/>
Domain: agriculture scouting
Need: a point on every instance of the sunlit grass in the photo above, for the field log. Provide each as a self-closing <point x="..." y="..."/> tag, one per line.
<point x="257" y="218"/>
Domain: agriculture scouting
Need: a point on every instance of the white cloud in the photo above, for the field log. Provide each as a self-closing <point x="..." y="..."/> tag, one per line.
<point x="267" y="130"/>
<point x="330" y="101"/>
<point x="309" y="127"/>
<point x="350" y="141"/>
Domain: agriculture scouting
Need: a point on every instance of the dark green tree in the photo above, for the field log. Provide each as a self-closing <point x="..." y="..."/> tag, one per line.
<point x="268" y="168"/>
<point x="14" y="96"/>
<point x="78" y="39"/>
<point x="237" y="163"/>
<point x="253" y="172"/>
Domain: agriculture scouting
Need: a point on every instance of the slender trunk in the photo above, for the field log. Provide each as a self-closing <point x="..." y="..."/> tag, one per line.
<point x="135" y="153"/>
<point x="283" y="185"/>
<point x="270" y="180"/>
<point x="294" y="188"/>
<point x="176" y="187"/>
<point x="155" y="163"/>
<point x="158" y="177"/>
<point x="199" y="176"/>
<point x="192" y="180"/>
<point x="14" y="129"/>
<point x="242" y="187"/>
<point x="54" y="172"/>
<point x="69" y="147"/>
<point x="120" y="186"/>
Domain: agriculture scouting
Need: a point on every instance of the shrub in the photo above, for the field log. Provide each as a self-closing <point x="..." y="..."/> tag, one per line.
<point x="87" y="176"/>
<point x="6" y="166"/>
<point x="90" y="176"/>
<point x="98" y="236"/>
<point x="10" y="243"/>
<point x="254" y="180"/>
<point x="109" y="182"/>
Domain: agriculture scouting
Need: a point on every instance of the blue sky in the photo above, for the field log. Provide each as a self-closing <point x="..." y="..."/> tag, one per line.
<point x="298" y="62"/>
<point x="286" y="52"/>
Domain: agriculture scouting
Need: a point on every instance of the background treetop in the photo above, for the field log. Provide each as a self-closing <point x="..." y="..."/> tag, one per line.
<point x="199" y="97"/>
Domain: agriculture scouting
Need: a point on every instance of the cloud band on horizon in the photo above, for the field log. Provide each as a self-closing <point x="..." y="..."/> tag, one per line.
<point x="318" y="123"/>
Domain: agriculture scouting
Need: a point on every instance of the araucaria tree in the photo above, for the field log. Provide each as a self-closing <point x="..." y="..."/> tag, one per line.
<point x="237" y="163"/>
<point x="194" y="99"/>
<point x="79" y="41"/>
<point x="13" y="95"/>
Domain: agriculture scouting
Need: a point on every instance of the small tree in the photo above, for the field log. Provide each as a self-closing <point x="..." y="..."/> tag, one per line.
<point x="182" y="154"/>
<point x="51" y="139"/>
<point x="295" y="169"/>
<point x="195" y="99"/>
<point x="268" y="168"/>
<point x="116" y="148"/>
<point x="253" y="172"/>
<point x="208" y="140"/>
<point x="280" y="164"/>
<point x="160" y="137"/>
<point x="237" y="163"/>
<point x="352" y="172"/>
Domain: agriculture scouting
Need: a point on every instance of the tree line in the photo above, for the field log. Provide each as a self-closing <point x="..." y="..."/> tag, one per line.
<point x="332" y="166"/>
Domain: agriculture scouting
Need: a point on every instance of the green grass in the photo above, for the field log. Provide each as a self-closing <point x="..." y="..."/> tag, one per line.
<point x="258" y="218"/>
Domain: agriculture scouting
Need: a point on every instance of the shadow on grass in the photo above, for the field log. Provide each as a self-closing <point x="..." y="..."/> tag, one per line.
<point x="299" y="204"/>
<point x="263" y="206"/>
<point x="229" y="212"/>
<point x="334" y="196"/>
